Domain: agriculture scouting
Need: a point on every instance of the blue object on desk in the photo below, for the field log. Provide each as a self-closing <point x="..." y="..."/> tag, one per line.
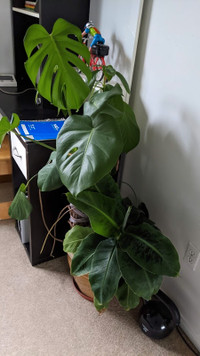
<point x="40" y="130"/>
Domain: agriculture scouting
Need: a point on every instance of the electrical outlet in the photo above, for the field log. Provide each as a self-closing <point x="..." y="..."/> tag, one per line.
<point x="192" y="256"/>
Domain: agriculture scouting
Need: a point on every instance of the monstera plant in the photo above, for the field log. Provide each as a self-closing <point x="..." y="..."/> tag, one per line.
<point x="123" y="252"/>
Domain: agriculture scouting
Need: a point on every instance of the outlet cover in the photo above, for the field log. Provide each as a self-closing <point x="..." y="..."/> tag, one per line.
<point x="192" y="256"/>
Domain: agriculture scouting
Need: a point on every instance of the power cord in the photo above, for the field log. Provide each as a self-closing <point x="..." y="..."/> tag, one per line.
<point x="16" y="93"/>
<point x="186" y="342"/>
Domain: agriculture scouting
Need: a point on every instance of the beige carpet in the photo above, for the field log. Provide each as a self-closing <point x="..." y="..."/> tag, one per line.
<point x="41" y="314"/>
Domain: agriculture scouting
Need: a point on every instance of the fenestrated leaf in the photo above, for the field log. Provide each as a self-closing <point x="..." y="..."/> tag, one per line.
<point x="97" y="142"/>
<point x="7" y="126"/>
<point x="105" y="274"/>
<point x="21" y="207"/>
<point x="105" y="217"/>
<point x="48" y="176"/>
<point x="56" y="56"/>
<point x="144" y="284"/>
<point x="127" y="299"/>
<point x="151" y="250"/>
<point x="74" y="237"/>
<point x="82" y="260"/>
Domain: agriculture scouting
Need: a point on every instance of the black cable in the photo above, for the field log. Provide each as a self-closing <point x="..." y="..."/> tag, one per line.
<point x="16" y="93"/>
<point x="135" y="195"/>
<point x="186" y="342"/>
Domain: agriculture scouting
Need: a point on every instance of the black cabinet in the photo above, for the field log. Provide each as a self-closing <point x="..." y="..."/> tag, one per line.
<point x="32" y="157"/>
<point x="74" y="11"/>
<point x="27" y="159"/>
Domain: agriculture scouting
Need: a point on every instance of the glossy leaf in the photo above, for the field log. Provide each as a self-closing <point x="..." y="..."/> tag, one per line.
<point x="105" y="217"/>
<point x="105" y="274"/>
<point x="110" y="72"/>
<point x="111" y="103"/>
<point x="144" y="284"/>
<point x="7" y="126"/>
<point x="21" y="207"/>
<point x="98" y="101"/>
<point x="126" y="120"/>
<point x="87" y="149"/>
<point x="82" y="260"/>
<point x="48" y="176"/>
<point x="74" y="237"/>
<point x="110" y="188"/>
<point x="150" y="249"/>
<point x="56" y="56"/>
<point x="129" y="128"/>
<point x="126" y="297"/>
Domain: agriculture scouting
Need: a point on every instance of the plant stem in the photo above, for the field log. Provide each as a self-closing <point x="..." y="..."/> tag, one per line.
<point x="37" y="142"/>
<point x="30" y="180"/>
<point x="126" y="217"/>
<point x="98" y="190"/>
<point x="132" y="191"/>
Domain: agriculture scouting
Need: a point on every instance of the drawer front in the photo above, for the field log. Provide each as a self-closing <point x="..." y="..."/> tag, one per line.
<point x="18" y="153"/>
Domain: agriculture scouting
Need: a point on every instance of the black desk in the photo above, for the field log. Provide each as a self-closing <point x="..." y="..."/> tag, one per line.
<point x="35" y="157"/>
<point x="24" y="105"/>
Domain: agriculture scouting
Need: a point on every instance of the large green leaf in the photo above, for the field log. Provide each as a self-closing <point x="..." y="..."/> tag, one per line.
<point x="105" y="274"/>
<point x="87" y="149"/>
<point x="126" y="120"/>
<point x="110" y="188"/>
<point x="142" y="283"/>
<point x="129" y="128"/>
<point x="7" y="126"/>
<point x="111" y="103"/>
<point x="74" y="237"/>
<point x="82" y="260"/>
<point x="21" y="207"/>
<point x="99" y="100"/>
<point x="151" y="250"/>
<point x="127" y="299"/>
<point x="48" y="176"/>
<point x="56" y="55"/>
<point x="105" y="217"/>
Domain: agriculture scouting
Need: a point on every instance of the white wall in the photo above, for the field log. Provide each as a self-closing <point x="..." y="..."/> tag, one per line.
<point x="119" y="25"/>
<point x="6" y="45"/>
<point x="165" y="170"/>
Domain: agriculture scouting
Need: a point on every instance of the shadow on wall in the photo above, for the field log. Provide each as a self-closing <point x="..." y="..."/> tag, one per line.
<point x="164" y="170"/>
<point x="117" y="51"/>
<point x="136" y="88"/>
<point x="164" y="161"/>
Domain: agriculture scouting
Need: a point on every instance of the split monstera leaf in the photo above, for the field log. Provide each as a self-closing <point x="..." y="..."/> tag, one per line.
<point x="56" y="56"/>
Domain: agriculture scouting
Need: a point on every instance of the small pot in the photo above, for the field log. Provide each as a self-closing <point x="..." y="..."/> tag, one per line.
<point x="77" y="217"/>
<point x="81" y="283"/>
